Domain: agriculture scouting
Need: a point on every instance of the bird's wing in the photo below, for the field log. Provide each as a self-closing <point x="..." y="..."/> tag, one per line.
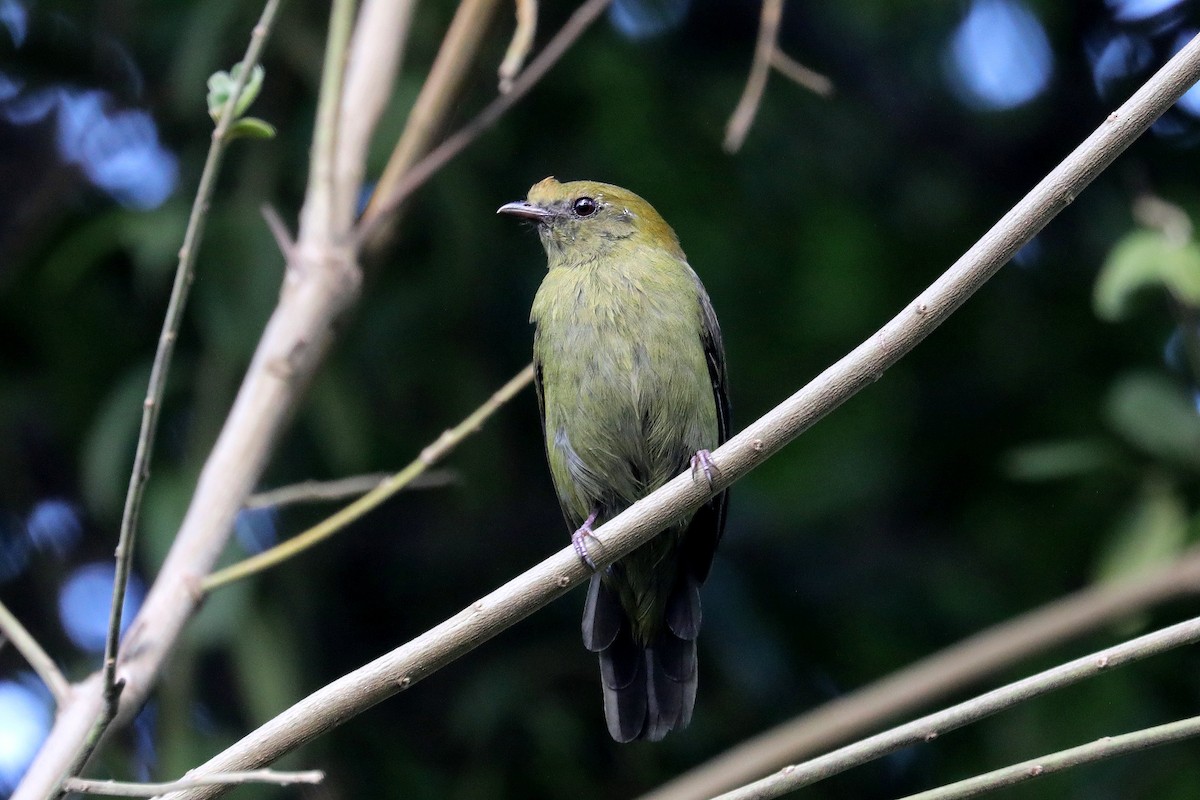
<point x="709" y="522"/>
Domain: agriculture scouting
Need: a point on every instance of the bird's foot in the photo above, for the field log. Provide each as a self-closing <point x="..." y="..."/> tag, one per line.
<point x="702" y="462"/>
<point x="579" y="541"/>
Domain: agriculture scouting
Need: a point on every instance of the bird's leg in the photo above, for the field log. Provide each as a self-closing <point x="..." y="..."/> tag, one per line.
<point x="702" y="461"/>
<point x="578" y="541"/>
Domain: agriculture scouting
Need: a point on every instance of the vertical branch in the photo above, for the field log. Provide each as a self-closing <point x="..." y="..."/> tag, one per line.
<point x="756" y="84"/>
<point x="375" y="55"/>
<point x="521" y="44"/>
<point x="316" y="217"/>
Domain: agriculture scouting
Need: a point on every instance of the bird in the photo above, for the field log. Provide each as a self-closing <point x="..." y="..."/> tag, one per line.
<point x="630" y="374"/>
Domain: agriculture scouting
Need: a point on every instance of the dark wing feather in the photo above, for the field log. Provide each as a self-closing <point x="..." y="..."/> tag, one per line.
<point x="707" y="525"/>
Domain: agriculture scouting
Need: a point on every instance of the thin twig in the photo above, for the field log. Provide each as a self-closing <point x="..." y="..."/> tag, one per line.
<point x="339" y="489"/>
<point x="747" y="106"/>
<point x="932" y="726"/>
<point x="796" y="72"/>
<point x="126" y="789"/>
<point x="935" y="677"/>
<point x="279" y="230"/>
<point x="424" y="169"/>
<point x="519" y="47"/>
<point x="372" y="499"/>
<point x="767" y="55"/>
<point x="400" y="669"/>
<point x="38" y="658"/>
<point x="1102" y="749"/>
<point x="438" y="94"/>
<point x="184" y="275"/>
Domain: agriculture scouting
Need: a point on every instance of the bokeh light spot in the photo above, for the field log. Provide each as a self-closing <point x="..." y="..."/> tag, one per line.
<point x="24" y="723"/>
<point x="645" y="19"/>
<point x="999" y="57"/>
<point x="54" y="525"/>
<point x="1137" y="10"/>
<point x="256" y="529"/>
<point x="85" y="601"/>
<point x="14" y="17"/>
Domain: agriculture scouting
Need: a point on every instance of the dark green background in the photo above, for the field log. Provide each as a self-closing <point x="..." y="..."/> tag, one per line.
<point x="900" y="524"/>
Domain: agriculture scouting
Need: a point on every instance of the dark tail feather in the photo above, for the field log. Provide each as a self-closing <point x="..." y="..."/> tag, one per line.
<point x="650" y="690"/>
<point x="671" y="665"/>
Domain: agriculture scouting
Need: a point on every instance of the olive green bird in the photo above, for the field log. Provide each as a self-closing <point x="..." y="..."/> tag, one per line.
<point x="630" y="376"/>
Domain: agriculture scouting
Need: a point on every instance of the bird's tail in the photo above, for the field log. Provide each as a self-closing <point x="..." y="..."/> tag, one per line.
<point x="649" y="689"/>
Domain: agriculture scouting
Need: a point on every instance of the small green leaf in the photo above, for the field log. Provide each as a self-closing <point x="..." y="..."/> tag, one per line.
<point x="1152" y="533"/>
<point x="251" y="128"/>
<point x="220" y="85"/>
<point x="1156" y="416"/>
<point x="1146" y="258"/>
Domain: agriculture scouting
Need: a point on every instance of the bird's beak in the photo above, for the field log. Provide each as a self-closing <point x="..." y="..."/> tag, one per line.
<point x="526" y="210"/>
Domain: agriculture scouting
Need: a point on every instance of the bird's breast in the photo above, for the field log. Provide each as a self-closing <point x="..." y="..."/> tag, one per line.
<point x="626" y="392"/>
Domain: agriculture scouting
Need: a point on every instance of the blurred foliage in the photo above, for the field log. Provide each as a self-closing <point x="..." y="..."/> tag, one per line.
<point x="1024" y="450"/>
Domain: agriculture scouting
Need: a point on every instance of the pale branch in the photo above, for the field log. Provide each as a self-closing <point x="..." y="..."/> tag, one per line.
<point x="521" y="44"/>
<point x="279" y="231"/>
<point x="374" y="59"/>
<point x="932" y="726"/>
<point x="384" y="205"/>
<point x="429" y="456"/>
<point x="12" y="629"/>
<point x="801" y="75"/>
<point x="1099" y="750"/>
<point x="433" y="104"/>
<point x="319" y="219"/>
<point x="756" y="83"/>
<point x="935" y="677"/>
<point x="313" y="491"/>
<point x="767" y="55"/>
<point x="128" y="789"/>
<point x="321" y="281"/>
<point x="535" y="588"/>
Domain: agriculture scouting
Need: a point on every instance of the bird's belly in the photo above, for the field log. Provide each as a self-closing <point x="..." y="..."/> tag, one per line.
<point x="623" y="416"/>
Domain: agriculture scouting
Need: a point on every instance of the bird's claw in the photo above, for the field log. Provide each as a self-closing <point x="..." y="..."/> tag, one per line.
<point x="579" y="541"/>
<point x="702" y="462"/>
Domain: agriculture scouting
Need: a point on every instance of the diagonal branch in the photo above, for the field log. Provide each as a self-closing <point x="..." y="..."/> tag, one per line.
<point x="437" y="96"/>
<point x="383" y="206"/>
<point x="936" y="676"/>
<point x="1099" y="750"/>
<point x="537" y="587"/>
<point x="38" y="658"/>
<point x="184" y="276"/>
<point x="932" y="726"/>
<point x="377" y="495"/>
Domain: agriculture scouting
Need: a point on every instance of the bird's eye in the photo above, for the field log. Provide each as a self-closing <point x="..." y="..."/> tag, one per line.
<point x="585" y="207"/>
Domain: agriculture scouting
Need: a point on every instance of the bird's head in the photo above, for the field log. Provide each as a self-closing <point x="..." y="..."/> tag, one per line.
<point x="583" y="220"/>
